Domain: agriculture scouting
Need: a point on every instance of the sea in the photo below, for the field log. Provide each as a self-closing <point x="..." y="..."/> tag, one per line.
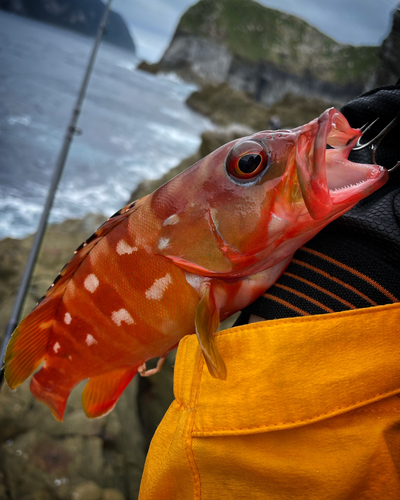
<point x="134" y="125"/>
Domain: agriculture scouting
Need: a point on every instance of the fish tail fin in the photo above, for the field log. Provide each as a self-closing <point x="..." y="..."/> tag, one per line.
<point x="102" y="392"/>
<point x="28" y="344"/>
<point x="47" y="387"/>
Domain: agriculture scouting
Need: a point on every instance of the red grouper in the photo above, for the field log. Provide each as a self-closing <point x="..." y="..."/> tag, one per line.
<point x="184" y="258"/>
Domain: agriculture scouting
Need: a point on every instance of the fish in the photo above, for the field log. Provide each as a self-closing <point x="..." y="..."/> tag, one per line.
<point x="184" y="258"/>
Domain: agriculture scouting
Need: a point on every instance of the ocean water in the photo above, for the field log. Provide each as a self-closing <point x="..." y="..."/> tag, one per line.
<point x="134" y="125"/>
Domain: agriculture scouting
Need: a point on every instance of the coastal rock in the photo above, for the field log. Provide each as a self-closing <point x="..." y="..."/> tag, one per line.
<point x="87" y="491"/>
<point x="82" y="16"/>
<point x="265" y="53"/>
<point x="225" y="105"/>
<point x="197" y="59"/>
<point x="388" y="72"/>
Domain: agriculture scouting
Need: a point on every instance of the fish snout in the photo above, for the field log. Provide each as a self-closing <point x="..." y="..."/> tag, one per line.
<point x="326" y="177"/>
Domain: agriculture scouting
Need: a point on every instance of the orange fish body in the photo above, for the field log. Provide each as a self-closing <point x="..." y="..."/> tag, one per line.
<point x="179" y="261"/>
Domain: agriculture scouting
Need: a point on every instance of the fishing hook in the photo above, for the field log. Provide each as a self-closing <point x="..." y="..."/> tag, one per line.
<point x="375" y="142"/>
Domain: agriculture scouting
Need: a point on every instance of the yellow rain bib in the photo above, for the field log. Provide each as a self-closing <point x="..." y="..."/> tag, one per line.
<point x="310" y="410"/>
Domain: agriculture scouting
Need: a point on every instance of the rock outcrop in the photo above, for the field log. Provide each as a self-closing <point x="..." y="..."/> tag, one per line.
<point x="388" y="72"/>
<point x="225" y="105"/>
<point x="265" y="53"/>
<point x="82" y="16"/>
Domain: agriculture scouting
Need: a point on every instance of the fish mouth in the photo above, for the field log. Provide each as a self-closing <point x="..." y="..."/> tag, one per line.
<point x="328" y="180"/>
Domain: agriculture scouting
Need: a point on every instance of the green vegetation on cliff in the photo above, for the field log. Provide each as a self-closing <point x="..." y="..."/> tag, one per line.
<point x="254" y="32"/>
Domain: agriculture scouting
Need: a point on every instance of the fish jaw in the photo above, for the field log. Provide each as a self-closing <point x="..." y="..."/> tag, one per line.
<point x="328" y="180"/>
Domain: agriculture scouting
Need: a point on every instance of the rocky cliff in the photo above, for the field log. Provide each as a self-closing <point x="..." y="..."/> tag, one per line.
<point x="79" y="15"/>
<point x="265" y="52"/>
<point x="389" y="54"/>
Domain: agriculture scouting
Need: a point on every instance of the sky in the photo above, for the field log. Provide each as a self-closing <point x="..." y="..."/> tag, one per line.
<point x="355" y="22"/>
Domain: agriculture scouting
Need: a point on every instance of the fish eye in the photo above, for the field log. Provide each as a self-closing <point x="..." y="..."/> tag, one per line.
<point x="246" y="160"/>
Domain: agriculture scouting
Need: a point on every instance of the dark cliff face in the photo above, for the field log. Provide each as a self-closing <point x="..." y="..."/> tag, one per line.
<point x="82" y="16"/>
<point x="389" y="70"/>
<point x="265" y="52"/>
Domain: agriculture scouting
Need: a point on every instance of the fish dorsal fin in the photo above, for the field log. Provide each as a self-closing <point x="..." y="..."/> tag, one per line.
<point x="27" y="347"/>
<point x="207" y="322"/>
<point x="102" y="392"/>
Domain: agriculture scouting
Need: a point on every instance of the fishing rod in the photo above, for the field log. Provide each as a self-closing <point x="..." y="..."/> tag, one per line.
<point x="37" y="242"/>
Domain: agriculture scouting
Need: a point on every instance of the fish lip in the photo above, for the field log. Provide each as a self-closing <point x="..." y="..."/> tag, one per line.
<point x="346" y="181"/>
<point x="327" y="178"/>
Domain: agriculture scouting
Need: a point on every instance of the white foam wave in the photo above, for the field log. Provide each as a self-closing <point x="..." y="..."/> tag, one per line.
<point x="130" y="66"/>
<point x="172" y="133"/>
<point x="18" y="217"/>
<point x="21" y="120"/>
<point x="173" y="77"/>
<point x="174" y="113"/>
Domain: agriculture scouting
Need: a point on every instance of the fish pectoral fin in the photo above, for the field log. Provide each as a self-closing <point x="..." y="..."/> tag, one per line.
<point x="102" y="392"/>
<point x="207" y="322"/>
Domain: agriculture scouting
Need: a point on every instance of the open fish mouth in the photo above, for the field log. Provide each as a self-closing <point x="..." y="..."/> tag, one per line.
<point x="327" y="178"/>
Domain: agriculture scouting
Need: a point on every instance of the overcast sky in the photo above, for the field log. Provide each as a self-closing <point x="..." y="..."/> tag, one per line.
<point x="357" y="22"/>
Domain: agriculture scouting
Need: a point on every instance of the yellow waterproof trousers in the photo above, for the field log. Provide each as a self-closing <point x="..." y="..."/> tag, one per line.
<point x="310" y="410"/>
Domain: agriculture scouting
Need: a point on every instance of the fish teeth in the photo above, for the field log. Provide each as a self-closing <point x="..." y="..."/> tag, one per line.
<point x="348" y="186"/>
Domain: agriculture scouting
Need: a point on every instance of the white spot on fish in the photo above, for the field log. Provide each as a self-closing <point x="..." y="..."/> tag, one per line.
<point x="67" y="318"/>
<point x="157" y="289"/>
<point x="90" y="340"/>
<point x="172" y="220"/>
<point x="195" y="280"/>
<point x="163" y="242"/>
<point x="56" y="347"/>
<point x="123" y="248"/>
<point x="91" y="283"/>
<point x="122" y="315"/>
<point x="70" y="357"/>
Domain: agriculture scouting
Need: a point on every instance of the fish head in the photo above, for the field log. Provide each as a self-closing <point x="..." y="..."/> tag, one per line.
<point x="254" y="201"/>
